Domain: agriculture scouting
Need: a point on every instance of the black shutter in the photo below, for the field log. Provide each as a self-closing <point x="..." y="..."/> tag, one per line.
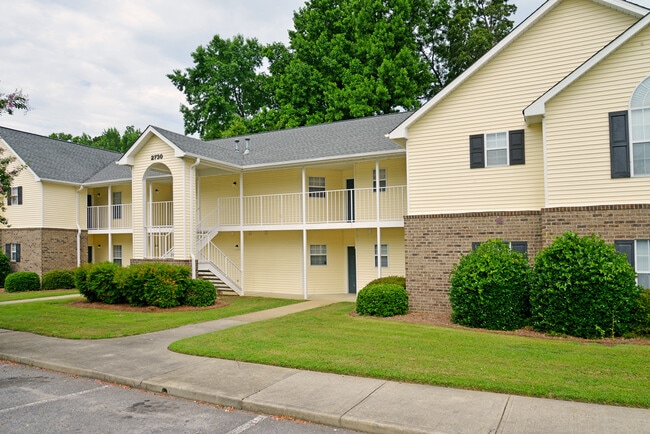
<point x="516" y="142"/>
<point x="8" y="250"/>
<point x="476" y="152"/>
<point x="20" y="195"/>
<point x="17" y="252"/>
<point x="627" y="247"/>
<point x="519" y="246"/>
<point x="619" y="146"/>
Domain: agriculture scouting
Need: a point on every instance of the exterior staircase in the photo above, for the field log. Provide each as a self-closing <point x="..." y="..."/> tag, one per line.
<point x="219" y="285"/>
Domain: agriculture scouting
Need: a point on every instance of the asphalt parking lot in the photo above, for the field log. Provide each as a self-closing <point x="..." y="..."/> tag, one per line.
<point x="34" y="400"/>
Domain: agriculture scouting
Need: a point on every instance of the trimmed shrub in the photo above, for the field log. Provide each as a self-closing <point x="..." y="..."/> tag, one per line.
<point x="199" y="293"/>
<point x="643" y="314"/>
<point x="583" y="288"/>
<point x="395" y="280"/>
<point x="382" y="299"/>
<point x="5" y="268"/>
<point x="22" y="281"/>
<point x="490" y="288"/>
<point x="151" y="284"/>
<point x="101" y="283"/>
<point x="81" y="282"/>
<point x="58" y="279"/>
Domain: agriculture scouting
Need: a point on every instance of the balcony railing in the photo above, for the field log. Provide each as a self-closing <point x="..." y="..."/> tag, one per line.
<point x="330" y="206"/>
<point x="160" y="214"/>
<point x="106" y="217"/>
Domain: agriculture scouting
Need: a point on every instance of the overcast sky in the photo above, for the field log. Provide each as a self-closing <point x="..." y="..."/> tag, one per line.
<point x="88" y="65"/>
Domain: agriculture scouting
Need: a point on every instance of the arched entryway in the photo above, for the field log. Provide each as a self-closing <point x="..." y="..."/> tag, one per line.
<point x="158" y="212"/>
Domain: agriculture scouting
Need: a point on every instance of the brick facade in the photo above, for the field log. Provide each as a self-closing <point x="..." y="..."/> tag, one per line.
<point x="435" y="243"/>
<point x="45" y="249"/>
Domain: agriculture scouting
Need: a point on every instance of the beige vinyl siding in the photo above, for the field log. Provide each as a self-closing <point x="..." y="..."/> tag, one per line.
<point x="330" y="278"/>
<point x="577" y="128"/>
<point x="492" y="100"/>
<point x="60" y="202"/>
<point x="273" y="262"/>
<point x="124" y="240"/>
<point x="142" y="162"/>
<point x="366" y="240"/>
<point x="30" y="213"/>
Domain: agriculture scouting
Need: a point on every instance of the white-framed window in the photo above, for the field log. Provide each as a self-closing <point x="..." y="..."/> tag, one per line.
<point x="318" y="254"/>
<point x="496" y="149"/>
<point x="517" y="246"/>
<point x="316" y="186"/>
<point x="117" y="205"/>
<point x="640" y="128"/>
<point x="384" y="255"/>
<point x="15" y="196"/>
<point x="638" y="255"/>
<point x="382" y="180"/>
<point x="12" y="250"/>
<point x="117" y="254"/>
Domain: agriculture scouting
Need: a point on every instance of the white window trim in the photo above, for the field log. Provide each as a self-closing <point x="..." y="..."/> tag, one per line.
<point x="506" y="148"/>
<point x="383" y="183"/>
<point x="317" y="251"/>
<point x="386" y="255"/>
<point x="13" y="196"/>
<point x="117" y="254"/>
<point x="636" y="259"/>
<point x="643" y="87"/>
<point x="316" y="186"/>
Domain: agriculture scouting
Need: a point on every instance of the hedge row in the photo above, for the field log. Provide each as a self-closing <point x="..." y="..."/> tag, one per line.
<point x="152" y="284"/>
<point x="579" y="286"/>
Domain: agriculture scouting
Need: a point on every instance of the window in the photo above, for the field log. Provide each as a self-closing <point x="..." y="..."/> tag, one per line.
<point x="316" y="186"/>
<point x="318" y="254"/>
<point x="638" y="255"/>
<point x="117" y="205"/>
<point x="117" y="254"/>
<point x="631" y="129"/>
<point x="384" y="255"/>
<point x="15" y="196"/>
<point x="382" y="180"/>
<point x="13" y="252"/>
<point x="517" y="246"/>
<point x="496" y="149"/>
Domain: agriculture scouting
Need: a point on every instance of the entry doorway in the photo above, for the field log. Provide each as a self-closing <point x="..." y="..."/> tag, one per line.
<point x="349" y="203"/>
<point x="352" y="270"/>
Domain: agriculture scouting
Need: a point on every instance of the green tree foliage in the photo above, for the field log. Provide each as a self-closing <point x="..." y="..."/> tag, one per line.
<point x="490" y="288"/>
<point x="110" y="139"/>
<point x="225" y="88"/>
<point x="583" y="288"/>
<point x="13" y="101"/>
<point x="346" y="59"/>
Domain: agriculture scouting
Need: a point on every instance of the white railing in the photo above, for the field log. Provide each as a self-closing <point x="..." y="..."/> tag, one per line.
<point x="160" y="214"/>
<point x="160" y="245"/>
<point x="213" y="254"/>
<point x="330" y="206"/>
<point x="104" y="217"/>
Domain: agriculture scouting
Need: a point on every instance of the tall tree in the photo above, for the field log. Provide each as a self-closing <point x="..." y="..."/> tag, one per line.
<point x="226" y="87"/>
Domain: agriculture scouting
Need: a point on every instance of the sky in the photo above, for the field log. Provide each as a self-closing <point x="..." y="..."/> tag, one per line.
<point x="89" y="65"/>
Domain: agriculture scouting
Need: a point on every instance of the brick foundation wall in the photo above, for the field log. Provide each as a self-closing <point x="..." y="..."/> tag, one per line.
<point x="435" y="243"/>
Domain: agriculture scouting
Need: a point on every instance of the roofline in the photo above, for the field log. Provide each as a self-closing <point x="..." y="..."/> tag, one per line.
<point x="538" y="108"/>
<point x="20" y="160"/>
<point x="401" y="132"/>
<point x="128" y="159"/>
<point x="107" y="182"/>
<point x="347" y="157"/>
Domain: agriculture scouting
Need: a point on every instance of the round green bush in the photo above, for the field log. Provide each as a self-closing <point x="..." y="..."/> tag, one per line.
<point x="58" y="279"/>
<point x="382" y="299"/>
<point x="5" y="268"/>
<point x="199" y="293"/>
<point x="22" y="281"/>
<point x="396" y="280"/>
<point x="81" y="282"/>
<point x="490" y="288"/>
<point x="101" y="283"/>
<point x="583" y="288"/>
<point x="152" y="284"/>
<point x="643" y="314"/>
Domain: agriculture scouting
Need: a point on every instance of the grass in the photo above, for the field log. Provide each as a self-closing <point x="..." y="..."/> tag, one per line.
<point x="330" y="340"/>
<point x="26" y="295"/>
<point x="57" y="318"/>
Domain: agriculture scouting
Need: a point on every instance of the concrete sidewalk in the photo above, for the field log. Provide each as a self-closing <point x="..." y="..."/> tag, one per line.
<point x="355" y="403"/>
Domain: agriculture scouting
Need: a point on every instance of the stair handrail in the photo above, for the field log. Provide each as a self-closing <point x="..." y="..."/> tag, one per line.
<point x="214" y="255"/>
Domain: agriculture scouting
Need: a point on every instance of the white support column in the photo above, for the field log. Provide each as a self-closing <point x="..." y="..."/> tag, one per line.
<point x="241" y="230"/>
<point x="305" y="252"/>
<point x="378" y="211"/>
<point x="109" y="217"/>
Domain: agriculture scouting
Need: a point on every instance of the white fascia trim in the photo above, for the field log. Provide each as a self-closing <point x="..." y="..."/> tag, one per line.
<point x="342" y="158"/>
<point x="401" y="131"/>
<point x="538" y="108"/>
<point x="128" y="159"/>
<point x="107" y="183"/>
<point x="203" y="158"/>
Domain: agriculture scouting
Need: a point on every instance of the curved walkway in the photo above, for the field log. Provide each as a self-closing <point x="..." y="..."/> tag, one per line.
<point x="355" y="403"/>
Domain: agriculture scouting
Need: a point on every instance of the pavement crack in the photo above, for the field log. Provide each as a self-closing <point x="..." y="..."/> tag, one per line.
<point x="503" y="414"/>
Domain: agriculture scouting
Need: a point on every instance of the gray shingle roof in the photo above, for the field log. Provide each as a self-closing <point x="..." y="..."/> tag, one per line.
<point x="337" y="139"/>
<point x="62" y="161"/>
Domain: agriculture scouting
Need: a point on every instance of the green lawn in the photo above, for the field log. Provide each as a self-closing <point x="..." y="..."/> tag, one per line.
<point x="330" y="340"/>
<point x="10" y="296"/>
<point x="58" y="318"/>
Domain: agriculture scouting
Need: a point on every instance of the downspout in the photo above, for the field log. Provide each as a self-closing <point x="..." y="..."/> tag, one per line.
<point x="192" y="226"/>
<point x="81" y="187"/>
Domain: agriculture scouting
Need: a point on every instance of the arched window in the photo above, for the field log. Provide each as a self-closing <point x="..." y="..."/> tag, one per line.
<point x="640" y="128"/>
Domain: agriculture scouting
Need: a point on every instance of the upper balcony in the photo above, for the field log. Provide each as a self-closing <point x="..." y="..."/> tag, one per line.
<point x="113" y="218"/>
<point x="334" y="208"/>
